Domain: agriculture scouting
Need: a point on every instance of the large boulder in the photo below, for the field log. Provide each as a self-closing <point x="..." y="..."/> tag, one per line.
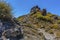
<point x="35" y="9"/>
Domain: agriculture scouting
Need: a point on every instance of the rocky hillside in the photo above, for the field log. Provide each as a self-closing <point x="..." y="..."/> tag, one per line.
<point x="40" y="25"/>
<point x="37" y="25"/>
<point x="10" y="29"/>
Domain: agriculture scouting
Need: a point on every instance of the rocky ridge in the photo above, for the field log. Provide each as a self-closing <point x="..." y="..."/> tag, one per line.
<point x="40" y="25"/>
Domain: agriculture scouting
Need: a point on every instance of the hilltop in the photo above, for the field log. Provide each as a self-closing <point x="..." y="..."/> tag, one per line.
<point x="40" y="25"/>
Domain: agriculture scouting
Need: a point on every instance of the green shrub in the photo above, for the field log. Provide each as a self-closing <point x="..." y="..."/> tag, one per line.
<point x="39" y="16"/>
<point x="49" y="14"/>
<point x="55" y="26"/>
<point x="5" y="10"/>
<point x="58" y="21"/>
<point x="47" y="18"/>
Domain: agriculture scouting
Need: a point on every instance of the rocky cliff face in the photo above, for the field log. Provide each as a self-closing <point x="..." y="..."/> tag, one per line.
<point x="40" y="25"/>
<point x="10" y="29"/>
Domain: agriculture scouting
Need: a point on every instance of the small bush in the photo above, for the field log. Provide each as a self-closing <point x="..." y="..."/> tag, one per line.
<point x="5" y="9"/>
<point x="55" y="26"/>
<point x="47" y="18"/>
<point x="49" y="14"/>
<point x="58" y="21"/>
<point x="39" y="16"/>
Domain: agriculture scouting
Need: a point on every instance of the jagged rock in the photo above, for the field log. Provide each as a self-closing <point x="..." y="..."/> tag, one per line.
<point x="35" y="9"/>
<point x="44" y="12"/>
<point x="56" y="17"/>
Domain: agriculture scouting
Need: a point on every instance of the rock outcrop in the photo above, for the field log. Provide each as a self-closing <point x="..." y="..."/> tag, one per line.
<point x="36" y="9"/>
<point x="10" y="30"/>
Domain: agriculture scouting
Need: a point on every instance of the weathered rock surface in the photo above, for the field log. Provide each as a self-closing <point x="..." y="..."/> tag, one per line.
<point x="11" y="31"/>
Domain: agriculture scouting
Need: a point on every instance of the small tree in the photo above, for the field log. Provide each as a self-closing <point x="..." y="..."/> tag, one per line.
<point x="5" y="10"/>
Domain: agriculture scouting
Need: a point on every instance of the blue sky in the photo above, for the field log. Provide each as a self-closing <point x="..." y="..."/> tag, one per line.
<point x="22" y="7"/>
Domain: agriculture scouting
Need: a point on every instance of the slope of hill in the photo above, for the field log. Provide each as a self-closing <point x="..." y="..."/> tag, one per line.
<point x="40" y="25"/>
<point x="10" y="29"/>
